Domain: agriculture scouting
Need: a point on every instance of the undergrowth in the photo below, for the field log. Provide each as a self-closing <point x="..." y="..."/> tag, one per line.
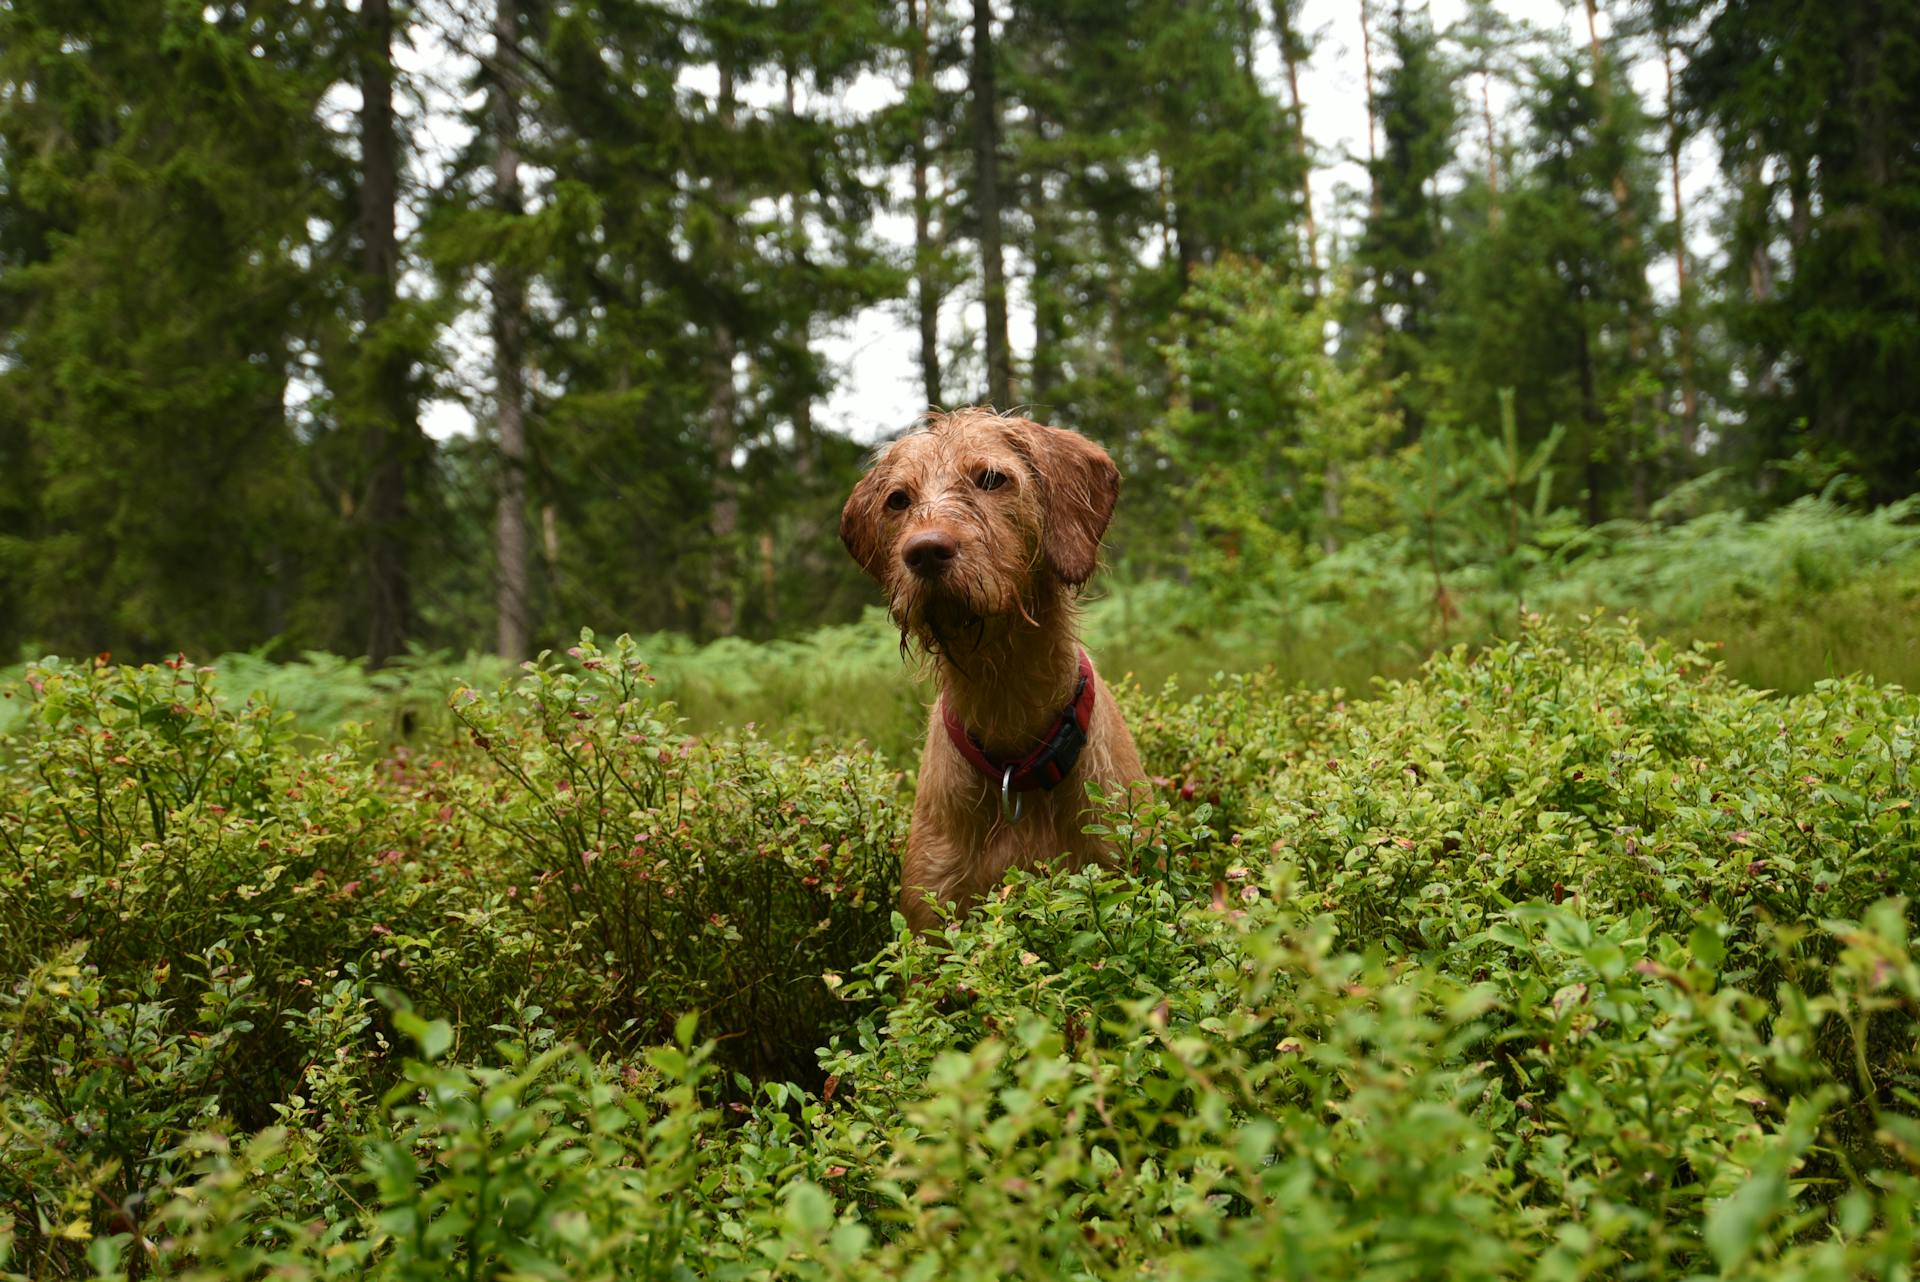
<point x="1569" y="957"/>
<point x="1812" y="591"/>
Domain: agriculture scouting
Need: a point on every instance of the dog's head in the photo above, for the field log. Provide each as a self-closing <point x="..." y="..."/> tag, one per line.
<point x="974" y="516"/>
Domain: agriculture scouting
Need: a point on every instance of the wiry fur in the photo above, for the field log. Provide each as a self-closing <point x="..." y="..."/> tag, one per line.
<point x="999" y="628"/>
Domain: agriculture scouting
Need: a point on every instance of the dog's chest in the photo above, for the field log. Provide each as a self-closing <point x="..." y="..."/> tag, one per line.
<point x="1034" y="828"/>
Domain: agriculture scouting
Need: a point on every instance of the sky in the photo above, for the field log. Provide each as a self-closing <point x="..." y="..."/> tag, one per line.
<point x="875" y="355"/>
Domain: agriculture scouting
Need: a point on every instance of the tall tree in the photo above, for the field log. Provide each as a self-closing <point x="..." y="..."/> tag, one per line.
<point x="1665" y="23"/>
<point x="723" y="520"/>
<point x="926" y="289"/>
<point x="1132" y="125"/>
<point x="684" y="249"/>
<point x="987" y="212"/>
<point x="1401" y="252"/>
<point x="390" y="439"/>
<point x="1585" y="145"/>
<point x="1618" y="128"/>
<point x="514" y="588"/>
<point x="1485" y="37"/>
<point x="1294" y="51"/>
<point x="1373" y="123"/>
<point x="1815" y="109"/>
<point x="162" y="203"/>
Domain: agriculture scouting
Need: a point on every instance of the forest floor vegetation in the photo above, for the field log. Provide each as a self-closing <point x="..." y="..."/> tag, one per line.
<point x="1810" y="592"/>
<point x="1570" y="956"/>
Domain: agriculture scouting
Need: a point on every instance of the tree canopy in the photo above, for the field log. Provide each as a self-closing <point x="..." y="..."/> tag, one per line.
<point x="238" y="257"/>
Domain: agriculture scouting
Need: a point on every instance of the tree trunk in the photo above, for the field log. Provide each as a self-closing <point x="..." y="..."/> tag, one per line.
<point x="1589" y="413"/>
<point x="1756" y="223"/>
<point x="926" y="288"/>
<point x="1290" y="53"/>
<point x="1637" y="339"/>
<point x="512" y="589"/>
<point x="1603" y="87"/>
<point x="1112" y="253"/>
<point x="1799" y="203"/>
<point x="1373" y="154"/>
<point x="1047" y="369"/>
<point x="1186" y="244"/>
<point x="800" y="414"/>
<point x="1330" y="484"/>
<point x="1493" y="150"/>
<point x="723" y="520"/>
<point x="1049" y="317"/>
<point x="1689" y="389"/>
<point x="986" y="151"/>
<point x="387" y="441"/>
<point x="769" y="577"/>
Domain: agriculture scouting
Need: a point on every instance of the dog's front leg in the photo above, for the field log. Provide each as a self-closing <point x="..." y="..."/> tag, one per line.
<point x="933" y="873"/>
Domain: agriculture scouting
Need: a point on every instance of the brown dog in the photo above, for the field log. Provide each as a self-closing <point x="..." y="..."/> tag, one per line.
<point x="981" y="528"/>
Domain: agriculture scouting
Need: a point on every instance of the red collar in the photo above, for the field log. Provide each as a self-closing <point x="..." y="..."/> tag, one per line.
<point x="1046" y="765"/>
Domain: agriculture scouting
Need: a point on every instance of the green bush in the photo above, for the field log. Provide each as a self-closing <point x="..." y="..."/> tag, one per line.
<point x="1571" y="957"/>
<point x="656" y="874"/>
<point x="200" y="909"/>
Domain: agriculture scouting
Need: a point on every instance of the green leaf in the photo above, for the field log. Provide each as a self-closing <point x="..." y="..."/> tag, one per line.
<point x="434" y="1037"/>
<point x="1734" y="1224"/>
<point x="809" y="1209"/>
<point x="671" y="1062"/>
<point x="1706" y="947"/>
<point x="848" y="1242"/>
<point x="103" y="1253"/>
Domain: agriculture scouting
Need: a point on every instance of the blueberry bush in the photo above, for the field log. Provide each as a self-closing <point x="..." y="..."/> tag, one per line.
<point x="1570" y="957"/>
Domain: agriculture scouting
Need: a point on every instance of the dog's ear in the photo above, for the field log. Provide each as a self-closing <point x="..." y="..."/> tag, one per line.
<point x="1079" y="487"/>
<point x="860" y="522"/>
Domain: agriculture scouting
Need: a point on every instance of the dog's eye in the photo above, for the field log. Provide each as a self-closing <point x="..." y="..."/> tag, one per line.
<point x="990" y="480"/>
<point x="897" y="501"/>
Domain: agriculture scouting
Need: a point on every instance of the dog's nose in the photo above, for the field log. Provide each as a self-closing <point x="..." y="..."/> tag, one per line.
<point x="929" y="552"/>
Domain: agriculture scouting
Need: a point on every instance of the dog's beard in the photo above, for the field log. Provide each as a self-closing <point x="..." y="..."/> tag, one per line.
<point x="941" y="619"/>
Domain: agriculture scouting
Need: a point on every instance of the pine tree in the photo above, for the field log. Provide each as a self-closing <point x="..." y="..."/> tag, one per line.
<point x="920" y="114"/>
<point x="1401" y="255"/>
<point x="1815" y="109"/>
<point x="1544" y="299"/>
<point x="1585" y="153"/>
<point x="1295" y="49"/>
<point x="983" y="87"/>
<point x="1664" y="20"/>
<point x="681" y="254"/>
<point x="161" y="176"/>
<point x="1486" y="39"/>
<point x="1140" y="124"/>
<point x="384" y="409"/>
<point x="1622" y="130"/>
<point x="513" y="588"/>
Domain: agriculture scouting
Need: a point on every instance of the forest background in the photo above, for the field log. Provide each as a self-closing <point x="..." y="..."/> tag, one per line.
<point x="1567" y="342"/>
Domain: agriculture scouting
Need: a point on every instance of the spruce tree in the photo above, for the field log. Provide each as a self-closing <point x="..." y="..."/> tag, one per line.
<point x="1145" y="148"/>
<point x="513" y="586"/>
<point x="1816" y="109"/>
<point x="383" y="407"/>
<point x="1401" y="256"/>
<point x="163" y="168"/>
<point x="1585" y="144"/>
